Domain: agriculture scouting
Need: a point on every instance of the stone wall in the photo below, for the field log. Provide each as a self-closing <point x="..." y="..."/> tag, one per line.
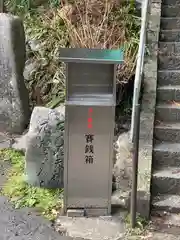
<point x="148" y="109"/>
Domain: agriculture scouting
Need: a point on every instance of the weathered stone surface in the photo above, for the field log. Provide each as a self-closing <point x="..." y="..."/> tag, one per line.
<point x="169" y="62"/>
<point x="155" y="8"/>
<point x="170" y="23"/>
<point x="170" y="203"/>
<point x="148" y="110"/>
<point x="30" y="68"/>
<point x="45" y="148"/>
<point x="167" y="132"/>
<point x="152" y="35"/>
<point x="168" y="77"/>
<point x="169" y="48"/>
<point x="172" y="35"/>
<point x="96" y="228"/>
<point x="20" y="143"/>
<point x="4" y="166"/>
<point x="166" y="154"/>
<point x="146" y="130"/>
<point x="168" y="93"/>
<point x="21" y="224"/>
<point x="156" y="1"/>
<point x="35" y="45"/>
<point x="14" y="102"/>
<point x="154" y="21"/>
<point x="170" y="11"/>
<point x="168" y="112"/>
<point x="143" y="199"/>
<point x="170" y="2"/>
<point x="120" y="199"/>
<point x="122" y="170"/>
<point x="152" y="48"/>
<point x="166" y="181"/>
<point x="166" y="224"/>
<point x="5" y="141"/>
<point x="166" y="162"/>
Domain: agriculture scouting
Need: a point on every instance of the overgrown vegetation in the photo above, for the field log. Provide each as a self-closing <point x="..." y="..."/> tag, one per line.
<point x="140" y="231"/>
<point x="46" y="201"/>
<point x="74" y="23"/>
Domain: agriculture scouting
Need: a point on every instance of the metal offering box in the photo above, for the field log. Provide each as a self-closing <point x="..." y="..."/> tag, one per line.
<point x="89" y="128"/>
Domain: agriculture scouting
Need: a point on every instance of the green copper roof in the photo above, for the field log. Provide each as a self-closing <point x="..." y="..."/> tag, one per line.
<point x="85" y="55"/>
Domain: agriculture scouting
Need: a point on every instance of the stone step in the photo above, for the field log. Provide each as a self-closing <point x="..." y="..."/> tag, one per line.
<point x="166" y="154"/>
<point x="172" y="35"/>
<point x="169" y="48"/>
<point x="166" y="181"/>
<point x="168" y="23"/>
<point x="168" y="203"/>
<point x="169" y="112"/>
<point x="168" y="93"/>
<point x="159" y="235"/>
<point x="170" y="2"/>
<point x="169" y="132"/>
<point x="170" y="10"/>
<point x="168" y="62"/>
<point x="167" y="223"/>
<point x="168" y="77"/>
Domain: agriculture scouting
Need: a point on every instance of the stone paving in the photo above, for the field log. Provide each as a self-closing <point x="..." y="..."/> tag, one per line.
<point x="26" y="224"/>
<point x="22" y="224"/>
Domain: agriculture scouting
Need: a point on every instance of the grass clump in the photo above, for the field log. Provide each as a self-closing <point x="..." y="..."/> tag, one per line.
<point x="139" y="232"/>
<point x="46" y="201"/>
<point x="74" y="23"/>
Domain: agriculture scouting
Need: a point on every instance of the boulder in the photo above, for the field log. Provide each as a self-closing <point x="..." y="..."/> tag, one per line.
<point x="20" y="142"/>
<point x="30" y="68"/>
<point x="14" y="100"/>
<point x="45" y="148"/>
<point x="122" y="170"/>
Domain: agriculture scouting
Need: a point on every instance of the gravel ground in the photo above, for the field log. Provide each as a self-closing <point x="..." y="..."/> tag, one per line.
<point x="23" y="224"/>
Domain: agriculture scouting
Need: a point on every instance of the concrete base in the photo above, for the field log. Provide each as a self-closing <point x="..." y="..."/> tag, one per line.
<point x="89" y="212"/>
<point x="101" y="228"/>
<point x="143" y="206"/>
<point x="94" y="212"/>
<point x="75" y="213"/>
<point x="123" y="199"/>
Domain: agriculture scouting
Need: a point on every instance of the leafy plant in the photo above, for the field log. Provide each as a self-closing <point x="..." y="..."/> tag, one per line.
<point x="139" y="231"/>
